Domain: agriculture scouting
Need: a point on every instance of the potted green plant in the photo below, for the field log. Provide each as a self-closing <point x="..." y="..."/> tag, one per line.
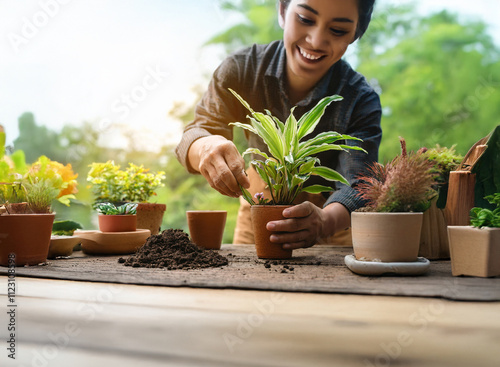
<point x="122" y="218"/>
<point x="135" y="184"/>
<point x="288" y="166"/>
<point x="388" y="228"/>
<point x="434" y="236"/>
<point x="26" y="236"/>
<point x="475" y="249"/>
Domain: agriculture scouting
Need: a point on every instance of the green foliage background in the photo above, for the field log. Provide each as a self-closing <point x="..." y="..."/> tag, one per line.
<point x="438" y="77"/>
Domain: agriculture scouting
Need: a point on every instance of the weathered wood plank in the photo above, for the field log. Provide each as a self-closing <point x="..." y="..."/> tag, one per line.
<point x="318" y="269"/>
<point x="98" y="323"/>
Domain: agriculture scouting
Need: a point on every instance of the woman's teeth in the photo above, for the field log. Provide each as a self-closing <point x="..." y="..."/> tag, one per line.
<point x="308" y="56"/>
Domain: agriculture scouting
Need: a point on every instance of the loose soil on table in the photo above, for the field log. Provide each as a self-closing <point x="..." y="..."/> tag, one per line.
<point x="172" y="249"/>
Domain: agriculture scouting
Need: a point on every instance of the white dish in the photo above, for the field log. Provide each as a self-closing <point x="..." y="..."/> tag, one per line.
<point x="418" y="267"/>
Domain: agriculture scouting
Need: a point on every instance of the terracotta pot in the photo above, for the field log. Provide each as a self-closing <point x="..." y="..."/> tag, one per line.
<point x="117" y="223"/>
<point x="388" y="237"/>
<point x="434" y="236"/>
<point x="474" y="251"/>
<point x="206" y="227"/>
<point x="261" y="215"/>
<point x="150" y="216"/>
<point x="27" y="236"/>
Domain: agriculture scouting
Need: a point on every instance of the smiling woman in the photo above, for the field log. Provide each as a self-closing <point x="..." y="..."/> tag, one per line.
<point x="299" y="70"/>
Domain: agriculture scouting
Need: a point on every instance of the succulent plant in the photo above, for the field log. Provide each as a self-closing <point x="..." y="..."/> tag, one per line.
<point x="111" y="209"/>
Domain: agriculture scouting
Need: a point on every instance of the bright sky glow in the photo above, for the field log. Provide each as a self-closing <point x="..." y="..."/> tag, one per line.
<point x="122" y="61"/>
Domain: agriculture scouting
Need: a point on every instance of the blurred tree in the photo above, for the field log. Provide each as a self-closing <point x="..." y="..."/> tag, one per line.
<point x="259" y="24"/>
<point x="438" y="77"/>
<point x="36" y="140"/>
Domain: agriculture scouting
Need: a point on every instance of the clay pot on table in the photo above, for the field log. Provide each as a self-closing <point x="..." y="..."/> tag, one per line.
<point x="474" y="251"/>
<point x="150" y="216"/>
<point x="206" y="227"/>
<point x="386" y="237"/>
<point x="261" y="215"/>
<point x="27" y="236"/>
<point x="117" y="223"/>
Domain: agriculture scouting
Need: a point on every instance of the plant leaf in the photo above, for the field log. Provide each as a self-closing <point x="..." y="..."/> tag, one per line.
<point x="329" y="174"/>
<point x="309" y="120"/>
<point x="316" y="189"/>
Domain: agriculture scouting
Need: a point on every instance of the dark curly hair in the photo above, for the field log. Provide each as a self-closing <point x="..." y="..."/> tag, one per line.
<point x="365" y="10"/>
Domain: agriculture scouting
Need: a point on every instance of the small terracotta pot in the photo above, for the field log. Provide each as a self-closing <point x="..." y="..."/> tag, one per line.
<point x="117" y="223"/>
<point x="388" y="237"/>
<point x="150" y="216"/>
<point x="261" y="215"/>
<point x="474" y="251"/>
<point x="206" y="227"/>
<point x="27" y="236"/>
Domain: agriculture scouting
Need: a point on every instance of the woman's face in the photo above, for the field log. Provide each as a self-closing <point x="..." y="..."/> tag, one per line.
<point x="316" y="35"/>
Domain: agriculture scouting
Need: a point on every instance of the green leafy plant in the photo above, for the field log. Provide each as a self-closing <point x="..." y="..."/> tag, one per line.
<point x="444" y="161"/>
<point x="111" y="209"/>
<point x="134" y="184"/>
<point x="39" y="195"/>
<point x="482" y="217"/>
<point x="65" y="227"/>
<point x="291" y="160"/>
<point x="12" y="193"/>
<point x="405" y="184"/>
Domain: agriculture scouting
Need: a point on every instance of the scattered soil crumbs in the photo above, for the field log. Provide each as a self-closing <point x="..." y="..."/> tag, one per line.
<point x="172" y="249"/>
<point x="285" y="268"/>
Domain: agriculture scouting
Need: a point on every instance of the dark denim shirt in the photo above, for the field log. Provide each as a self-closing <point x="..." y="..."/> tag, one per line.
<point x="258" y="75"/>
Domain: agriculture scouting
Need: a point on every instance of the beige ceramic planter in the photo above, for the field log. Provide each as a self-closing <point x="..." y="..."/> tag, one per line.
<point x="261" y="215"/>
<point x="206" y="227"/>
<point x="150" y="216"/>
<point x="27" y="236"/>
<point x="474" y="251"/>
<point x="386" y="237"/>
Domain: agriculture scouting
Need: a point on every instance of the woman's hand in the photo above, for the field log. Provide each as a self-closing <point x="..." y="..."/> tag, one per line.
<point x="306" y="224"/>
<point x="218" y="160"/>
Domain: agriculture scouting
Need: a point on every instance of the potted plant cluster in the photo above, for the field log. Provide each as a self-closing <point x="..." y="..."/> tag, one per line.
<point x="288" y="166"/>
<point x="475" y="249"/>
<point x="117" y="219"/>
<point x="26" y="195"/>
<point x="135" y="184"/>
<point x="27" y="234"/>
<point x="388" y="228"/>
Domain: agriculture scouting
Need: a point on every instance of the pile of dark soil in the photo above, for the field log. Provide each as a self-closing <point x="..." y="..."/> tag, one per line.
<point x="172" y="249"/>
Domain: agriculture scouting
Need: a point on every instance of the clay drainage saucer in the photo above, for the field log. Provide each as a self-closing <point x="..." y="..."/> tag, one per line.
<point x="112" y="243"/>
<point x="418" y="267"/>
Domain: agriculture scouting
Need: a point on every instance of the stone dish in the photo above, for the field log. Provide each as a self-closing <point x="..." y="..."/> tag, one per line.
<point x="418" y="267"/>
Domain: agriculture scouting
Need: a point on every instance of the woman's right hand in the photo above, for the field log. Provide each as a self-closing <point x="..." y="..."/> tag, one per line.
<point x="218" y="160"/>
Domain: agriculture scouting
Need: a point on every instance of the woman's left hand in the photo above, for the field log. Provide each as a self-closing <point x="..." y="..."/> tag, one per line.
<point x="302" y="228"/>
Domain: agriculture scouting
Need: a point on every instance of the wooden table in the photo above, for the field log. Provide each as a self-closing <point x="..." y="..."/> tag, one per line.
<point x="76" y="323"/>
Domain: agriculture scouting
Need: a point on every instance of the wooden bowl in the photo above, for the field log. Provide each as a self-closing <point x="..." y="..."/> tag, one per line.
<point x="62" y="245"/>
<point x="112" y="243"/>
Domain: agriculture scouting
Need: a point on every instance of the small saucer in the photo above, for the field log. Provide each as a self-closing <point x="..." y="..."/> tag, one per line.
<point x="112" y="243"/>
<point x="62" y="245"/>
<point x="378" y="268"/>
